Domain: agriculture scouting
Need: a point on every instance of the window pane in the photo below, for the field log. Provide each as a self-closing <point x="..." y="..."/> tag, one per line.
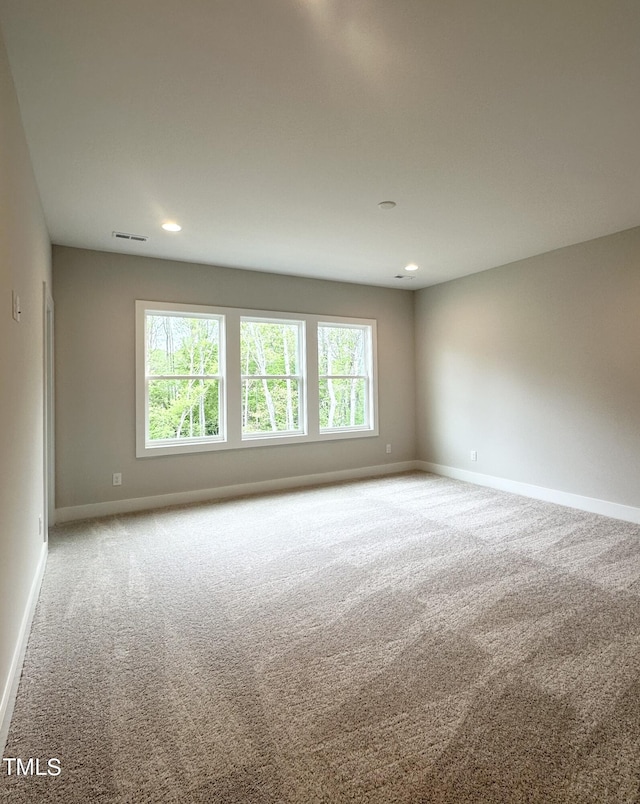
<point x="343" y="403"/>
<point x="269" y="347"/>
<point x="270" y="406"/>
<point x="182" y="345"/>
<point x="342" y="350"/>
<point x="184" y="409"/>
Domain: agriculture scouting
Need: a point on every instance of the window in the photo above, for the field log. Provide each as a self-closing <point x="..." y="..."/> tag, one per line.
<point x="344" y="364"/>
<point x="270" y="353"/>
<point x="183" y="378"/>
<point x="212" y="378"/>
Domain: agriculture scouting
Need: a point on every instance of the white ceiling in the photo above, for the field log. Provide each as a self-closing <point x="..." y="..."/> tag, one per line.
<point x="271" y="129"/>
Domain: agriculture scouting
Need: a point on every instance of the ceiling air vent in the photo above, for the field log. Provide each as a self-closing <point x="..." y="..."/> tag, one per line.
<point x="126" y="236"/>
<point x="403" y="276"/>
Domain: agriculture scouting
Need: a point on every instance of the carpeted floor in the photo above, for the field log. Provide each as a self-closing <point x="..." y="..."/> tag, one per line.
<point x="407" y="639"/>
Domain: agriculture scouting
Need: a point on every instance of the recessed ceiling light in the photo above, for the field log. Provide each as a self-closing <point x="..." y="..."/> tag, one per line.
<point x="171" y="227"/>
<point x="411" y="267"/>
<point x="387" y="204"/>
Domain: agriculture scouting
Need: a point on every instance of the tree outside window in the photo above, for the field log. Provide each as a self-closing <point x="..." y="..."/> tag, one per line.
<point x="215" y="378"/>
<point x="271" y="378"/>
<point x="184" y="383"/>
<point x="344" y="367"/>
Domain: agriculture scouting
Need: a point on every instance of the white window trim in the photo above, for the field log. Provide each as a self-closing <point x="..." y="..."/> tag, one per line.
<point x="232" y="383"/>
<point x="300" y="377"/>
<point x="372" y="404"/>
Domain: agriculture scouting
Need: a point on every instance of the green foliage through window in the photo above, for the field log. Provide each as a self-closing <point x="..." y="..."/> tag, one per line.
<point x="211" y="378"/>
<point x="271" y="385"/>
<point x="184" y="387"/>
<point x="343" y="376"/>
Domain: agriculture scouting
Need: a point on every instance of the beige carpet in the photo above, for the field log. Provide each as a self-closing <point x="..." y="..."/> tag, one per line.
<point x="408" y="639"/>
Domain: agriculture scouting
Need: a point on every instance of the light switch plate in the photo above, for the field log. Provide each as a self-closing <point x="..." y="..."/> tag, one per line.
<point x="15" y="305"/>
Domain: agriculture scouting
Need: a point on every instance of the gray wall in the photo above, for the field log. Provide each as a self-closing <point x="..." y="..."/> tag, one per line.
<point x="25" y="263"/>
<point x="95" y="373"/>
<point x="536" y="365"/>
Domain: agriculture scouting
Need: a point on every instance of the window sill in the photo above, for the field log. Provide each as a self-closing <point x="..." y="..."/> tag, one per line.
<point x="249" y="442"/>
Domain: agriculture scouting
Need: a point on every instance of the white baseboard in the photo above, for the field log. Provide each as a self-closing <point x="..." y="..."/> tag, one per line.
<point x="92" y="510"/>
<point x="590" y="504"/>
<point x="11" y="683"/>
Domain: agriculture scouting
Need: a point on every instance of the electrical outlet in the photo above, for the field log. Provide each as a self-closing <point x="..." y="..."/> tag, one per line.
<point x="474" y="455"/>
<point x="388" y="449"/>
<point x="117" y="478"/>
